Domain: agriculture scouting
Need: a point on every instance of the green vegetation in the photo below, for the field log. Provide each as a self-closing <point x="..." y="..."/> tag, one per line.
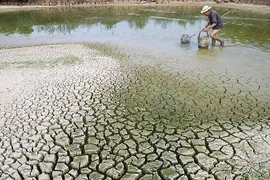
<point x="66" y="60"/>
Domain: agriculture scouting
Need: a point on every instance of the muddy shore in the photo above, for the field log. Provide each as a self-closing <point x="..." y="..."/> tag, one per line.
<point x="10" y="77"/>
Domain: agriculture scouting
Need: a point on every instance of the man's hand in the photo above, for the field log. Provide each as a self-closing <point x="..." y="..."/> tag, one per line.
<point x="205" y="29"/>
<point x="209" y="27"/>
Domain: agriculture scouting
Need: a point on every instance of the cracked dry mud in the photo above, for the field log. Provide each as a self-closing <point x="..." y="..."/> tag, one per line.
<point x="105" y="118"/>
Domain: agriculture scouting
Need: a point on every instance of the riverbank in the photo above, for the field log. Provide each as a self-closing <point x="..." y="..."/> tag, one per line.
<point x="247" y="7"/>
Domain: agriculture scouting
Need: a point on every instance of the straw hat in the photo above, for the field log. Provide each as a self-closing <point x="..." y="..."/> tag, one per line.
<point x="205" y="9"/>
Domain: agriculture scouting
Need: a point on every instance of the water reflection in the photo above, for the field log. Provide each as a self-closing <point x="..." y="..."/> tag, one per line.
<point x="150" y="35"/>
<point x="165" y="22"/>
<point x="151" y="30"/>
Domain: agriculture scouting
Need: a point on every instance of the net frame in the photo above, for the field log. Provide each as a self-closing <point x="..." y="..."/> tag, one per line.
<point x="185" y="39"/>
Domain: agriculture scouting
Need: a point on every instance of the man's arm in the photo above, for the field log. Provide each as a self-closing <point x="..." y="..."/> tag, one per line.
<point x="207" y="27"/>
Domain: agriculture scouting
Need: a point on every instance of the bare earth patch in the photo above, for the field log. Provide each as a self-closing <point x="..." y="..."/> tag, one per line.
<point x="20" y="64"/>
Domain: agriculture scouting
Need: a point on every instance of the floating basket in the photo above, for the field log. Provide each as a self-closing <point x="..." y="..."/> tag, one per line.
<point x="203" y="41"/>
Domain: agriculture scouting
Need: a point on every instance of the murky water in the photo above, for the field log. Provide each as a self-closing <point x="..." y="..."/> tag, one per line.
<point x="149" y="31"/>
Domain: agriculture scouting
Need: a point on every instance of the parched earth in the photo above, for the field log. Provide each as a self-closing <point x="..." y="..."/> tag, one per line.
<point x="70" y="112"/>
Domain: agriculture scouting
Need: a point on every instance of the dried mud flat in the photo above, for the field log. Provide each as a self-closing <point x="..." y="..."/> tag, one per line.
<point x="25" y="63"/>
<point x="69" y="112"/>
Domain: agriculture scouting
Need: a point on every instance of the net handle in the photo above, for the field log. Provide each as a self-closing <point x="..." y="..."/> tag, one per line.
<point x="196" y="33"/>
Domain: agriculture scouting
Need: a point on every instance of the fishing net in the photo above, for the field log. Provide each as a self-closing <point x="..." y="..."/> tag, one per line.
<point x="185" y="39"/>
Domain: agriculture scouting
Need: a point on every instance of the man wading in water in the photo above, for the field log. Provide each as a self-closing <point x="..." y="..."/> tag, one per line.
<point x="215" y="23"/>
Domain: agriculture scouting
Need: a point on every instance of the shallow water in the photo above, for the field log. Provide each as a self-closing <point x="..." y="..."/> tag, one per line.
<point x="150" y="34"/>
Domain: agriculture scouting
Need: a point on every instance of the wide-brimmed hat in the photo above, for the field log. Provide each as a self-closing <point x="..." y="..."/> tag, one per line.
<point x="205" y="9"/>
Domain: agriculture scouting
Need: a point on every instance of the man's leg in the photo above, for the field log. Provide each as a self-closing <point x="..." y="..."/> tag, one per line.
<point x="213" y="42"/>
<point x="215" y="38"/>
